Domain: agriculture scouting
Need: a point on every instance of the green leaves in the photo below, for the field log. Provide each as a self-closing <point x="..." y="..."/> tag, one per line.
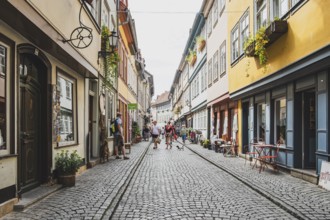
<point x="66" y="163"/>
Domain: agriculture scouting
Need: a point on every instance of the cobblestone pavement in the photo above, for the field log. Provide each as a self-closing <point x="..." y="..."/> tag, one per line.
<point x="173" y="184"/>
<point x="94" y="192"/>
<point x="306" y="200"/>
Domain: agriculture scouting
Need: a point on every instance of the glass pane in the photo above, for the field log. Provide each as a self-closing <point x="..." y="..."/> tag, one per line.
<point x="2" y="98"/>
<point x="66" y="111"/>
<point x="261" y="121"/>
<point x="280" y="121"/>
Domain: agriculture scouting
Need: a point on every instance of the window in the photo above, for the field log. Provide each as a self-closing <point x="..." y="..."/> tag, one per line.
<point x="197" y="84"/>
<point x="244" y="28"/>
<point x="205" y="77"/>
<point x="222" y="5"/>
<point x="94" y="9"/>
<point x="280" y="121"/>
<point x="110" y="113"/>
<point x="222" y="59"/>
<point x="215" y="66"/>
<point x="210" y="72"/>
<point x="3" y="122"/>
<point x="268" y="10"/>
<point x="215" y="13"/>
<point x="261" y="120"/>
<point x="261" y="13"/>
<point x="209" y="25"/>
<point x="68" y="134"/>
<point x="234" y="44"/>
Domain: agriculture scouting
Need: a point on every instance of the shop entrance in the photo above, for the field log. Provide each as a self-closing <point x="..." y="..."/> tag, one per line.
<point x="33" y="127"/>
<point x="308" y="130"/>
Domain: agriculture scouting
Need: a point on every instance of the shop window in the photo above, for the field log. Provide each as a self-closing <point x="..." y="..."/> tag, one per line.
<point x="3" y="116"/>
<point x="67" y="111"/>
<point x="280" y="121"/>
<point x="261" y="121"/>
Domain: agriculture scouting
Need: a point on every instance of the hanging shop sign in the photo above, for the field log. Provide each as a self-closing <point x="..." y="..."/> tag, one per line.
<point x="132" y="106"/>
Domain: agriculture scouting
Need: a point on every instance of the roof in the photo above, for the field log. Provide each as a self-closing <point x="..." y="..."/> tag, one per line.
<point x="162" y="98"/>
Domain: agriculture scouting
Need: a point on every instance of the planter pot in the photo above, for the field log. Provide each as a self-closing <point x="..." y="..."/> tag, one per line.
<point x="201" y="45"/>
<point x="193" y="60"/>
<point x="249" y="50"/>
<point x="67" y="180"/>
<point x="275" y="30"/>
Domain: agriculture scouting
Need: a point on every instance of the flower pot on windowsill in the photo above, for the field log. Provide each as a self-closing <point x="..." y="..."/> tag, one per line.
<point x="275" y="30"/>
<point x="249" y="51"/>
<point x="201" y="45"/>
<point x="193" y="60"/>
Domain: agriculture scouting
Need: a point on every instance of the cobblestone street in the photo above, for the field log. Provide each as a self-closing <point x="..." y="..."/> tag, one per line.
<point x="173" y="184"/>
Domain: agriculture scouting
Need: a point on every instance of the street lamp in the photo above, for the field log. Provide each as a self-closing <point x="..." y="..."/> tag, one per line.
<point x="113" y="41"/>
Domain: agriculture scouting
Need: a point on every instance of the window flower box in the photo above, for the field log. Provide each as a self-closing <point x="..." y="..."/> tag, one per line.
<point x="276" y="29"/>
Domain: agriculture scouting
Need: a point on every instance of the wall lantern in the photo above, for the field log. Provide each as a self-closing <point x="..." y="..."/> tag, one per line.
<point x="113" y="41"/>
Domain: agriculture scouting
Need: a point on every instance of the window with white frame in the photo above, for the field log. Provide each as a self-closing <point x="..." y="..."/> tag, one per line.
<point x="94" y="9"/>
<point x="268" y="10"/>
<point x="222" y="59"/>
<point x="222" y="4"/>
<point x="234" y="43"/>
<point x="202" y="79"/>
<point x="197" y="84"/>
<point x="215" y="12"/>
<point x="215" y="66"/>
<point x="205" y="76"/>
<point x="210" y="72"/>
<point x="209" y="25"/>
<point x="3" y="98"/>
<point x="67" y="132"/>
<point x="244" y="30"/>
<point x="261" y="13"/>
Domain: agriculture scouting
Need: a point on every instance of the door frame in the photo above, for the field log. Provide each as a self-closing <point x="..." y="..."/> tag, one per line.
<point x="46" y="160"/>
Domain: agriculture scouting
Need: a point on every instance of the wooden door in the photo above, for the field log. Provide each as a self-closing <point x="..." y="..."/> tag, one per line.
<point x="30" y="112"/>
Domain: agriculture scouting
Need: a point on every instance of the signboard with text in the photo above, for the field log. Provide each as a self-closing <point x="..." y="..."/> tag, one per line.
<point x="132" y="106"/>
<point x="324" y="180"/>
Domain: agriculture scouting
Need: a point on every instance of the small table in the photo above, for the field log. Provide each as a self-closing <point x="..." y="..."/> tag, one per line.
<point x="263" y="150"/>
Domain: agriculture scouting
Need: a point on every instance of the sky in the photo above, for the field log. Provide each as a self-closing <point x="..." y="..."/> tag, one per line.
<point x="162" y="28"/>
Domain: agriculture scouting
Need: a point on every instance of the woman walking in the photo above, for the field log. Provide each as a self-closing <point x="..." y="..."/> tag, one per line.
<point x="168" y="135"/>
<point x="155" y="132"/>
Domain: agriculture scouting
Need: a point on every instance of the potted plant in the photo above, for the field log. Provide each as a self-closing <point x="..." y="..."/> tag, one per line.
<point x="248" y="46"/>
<point x="66" y="166"/>
<point x="191" y="57"/>
<point x="136" y="132"/>
<point x="206" y="143"/>
<point x="276" y="29"/>
<point x="201" y="42"/>
<point x="261" y="40"/>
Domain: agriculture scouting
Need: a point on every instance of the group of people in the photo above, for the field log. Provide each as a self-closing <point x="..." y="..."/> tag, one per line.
<point x="169" y="132"/>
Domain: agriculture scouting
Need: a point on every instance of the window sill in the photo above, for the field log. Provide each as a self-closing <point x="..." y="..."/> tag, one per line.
<point x="68" y="145"/>
<point x="3" y="157"/>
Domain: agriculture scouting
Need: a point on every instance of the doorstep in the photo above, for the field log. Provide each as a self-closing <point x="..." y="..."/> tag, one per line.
<point x="7" y="206"/>
<point x="35" y="195"/>
<point x="308" y="175"/>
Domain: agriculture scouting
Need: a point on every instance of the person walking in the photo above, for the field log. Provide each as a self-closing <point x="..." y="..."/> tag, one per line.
<point x="183" y="133"/>
<point x="155" y="132"/>
<point x="119" y="137"/>
<point x="168" y="135"/>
